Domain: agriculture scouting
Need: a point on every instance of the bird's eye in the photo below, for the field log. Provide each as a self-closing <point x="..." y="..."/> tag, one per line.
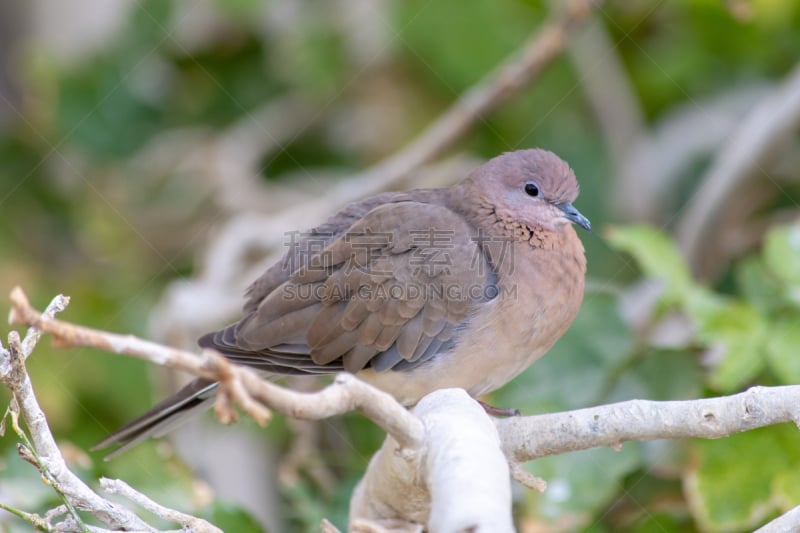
<point x="531" y="189"/>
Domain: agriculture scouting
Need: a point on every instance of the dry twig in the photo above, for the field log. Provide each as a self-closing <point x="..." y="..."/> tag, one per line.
<point x="238" y="384"/>
<point x="42" y="450"/>
<point x="117" y="486"/>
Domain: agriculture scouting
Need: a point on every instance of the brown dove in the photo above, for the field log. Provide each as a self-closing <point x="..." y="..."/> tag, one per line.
<point x="413" y="291"/>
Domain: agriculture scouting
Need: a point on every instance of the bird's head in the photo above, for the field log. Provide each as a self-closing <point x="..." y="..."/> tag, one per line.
<point x="534" y="187"/>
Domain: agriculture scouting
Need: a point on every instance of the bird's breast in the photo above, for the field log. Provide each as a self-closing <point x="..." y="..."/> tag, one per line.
<point x="537" y="301"/>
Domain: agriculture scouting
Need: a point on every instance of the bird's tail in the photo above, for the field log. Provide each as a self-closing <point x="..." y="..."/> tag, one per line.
<point x="192" y="399"/>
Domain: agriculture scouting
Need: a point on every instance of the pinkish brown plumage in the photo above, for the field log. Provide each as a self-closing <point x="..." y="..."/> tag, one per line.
<point x="414" y="291"/>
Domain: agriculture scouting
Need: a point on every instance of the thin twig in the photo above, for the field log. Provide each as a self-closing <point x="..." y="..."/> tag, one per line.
<point x="33" y="519"/>
<point x="526" y="479"/>
<point x="42" y="447"/>
<point x="27" y="450"/>
<point x="56" y="305"/>
<point x="197" y="525"/>
<point x="347" y="393"/>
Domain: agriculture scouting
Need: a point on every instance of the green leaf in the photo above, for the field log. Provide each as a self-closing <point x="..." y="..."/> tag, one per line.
<point x="733" y="484"/>
<point x="102" y="114"/>
<point x="738" y="330"/>
<point x="231" y="518"/>
<point x="572" y="375"/>
<point x="787" y="490"/>
<point x="758" y="286"/>
<point x="582" y="482"/>
<point x="662" y="375"/>
<point x="782" y="252"/>
<point x="660" y="523"/>
<point x="305" y="509"/>
<point x="704" y="305"/>
<point x="782" y="349"/>
<point x="21" y="485"/>
<point x="239" y="10"/>
<point x="656" y="254"/>
<point x="449" y="54"/>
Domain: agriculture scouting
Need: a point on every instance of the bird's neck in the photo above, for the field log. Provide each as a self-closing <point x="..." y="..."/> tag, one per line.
<point x="505" y="240"/>
<point x="487" y="219"/>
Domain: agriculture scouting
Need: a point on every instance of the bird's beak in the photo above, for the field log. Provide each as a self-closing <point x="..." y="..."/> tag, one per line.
<point x="573" y="215"/>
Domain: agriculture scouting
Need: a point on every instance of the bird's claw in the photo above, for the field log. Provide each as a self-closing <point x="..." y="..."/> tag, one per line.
<point x="499" y="411"/>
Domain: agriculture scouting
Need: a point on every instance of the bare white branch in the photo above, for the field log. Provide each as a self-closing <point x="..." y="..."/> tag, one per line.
<point x="238" y="384"/>
<point x="467" y="474"/>
<point x="45" y="452"/>
<point x="56" y="305"/>
<point x="444" y="466"/>
<point x="117" y="486"/>
<point x="788" y="522"/>
<point x="531" y="437"/>
<point x="458" y="480"/>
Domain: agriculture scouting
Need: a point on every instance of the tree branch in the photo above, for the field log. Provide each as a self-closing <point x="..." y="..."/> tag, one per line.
<point x="448" y="446"/>
<point x="42" y="450"/>
<point x="237" y="383"/>
<point x="786" y="523"/>
<point x="528" y="438"/>
<point x="117" y="486"/>
<point x="457" y="481"/>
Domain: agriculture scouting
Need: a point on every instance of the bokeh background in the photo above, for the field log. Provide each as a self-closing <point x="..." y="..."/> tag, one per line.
<point x="148" y="149"/>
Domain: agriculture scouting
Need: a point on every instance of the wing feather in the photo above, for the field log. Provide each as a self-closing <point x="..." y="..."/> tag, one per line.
<point x="377" y="294"/>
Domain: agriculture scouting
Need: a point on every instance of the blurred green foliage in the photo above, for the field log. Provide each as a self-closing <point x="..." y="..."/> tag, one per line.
<point x="756" y="331"/>
<point x="733" y="484"/>
<point x="82" y="216"/>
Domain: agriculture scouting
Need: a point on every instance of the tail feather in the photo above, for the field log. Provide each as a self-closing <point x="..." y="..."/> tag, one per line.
<point x="192" y="399"/>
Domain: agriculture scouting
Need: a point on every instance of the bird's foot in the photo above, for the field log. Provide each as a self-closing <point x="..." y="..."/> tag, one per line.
<point x="499" y="411"/>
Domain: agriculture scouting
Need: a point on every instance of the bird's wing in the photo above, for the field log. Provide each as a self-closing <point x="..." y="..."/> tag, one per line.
<point x="388" y="293"/>
<point x="302" y="245"/>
